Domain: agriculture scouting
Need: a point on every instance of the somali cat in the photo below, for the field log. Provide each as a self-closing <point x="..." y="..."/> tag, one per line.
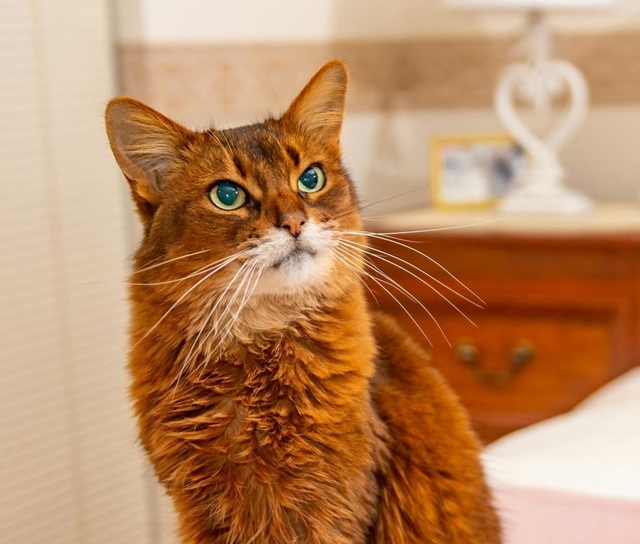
<point x="275" y="406"/>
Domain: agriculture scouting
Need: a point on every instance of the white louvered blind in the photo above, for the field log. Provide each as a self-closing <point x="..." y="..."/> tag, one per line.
<point x="70" y="468"/>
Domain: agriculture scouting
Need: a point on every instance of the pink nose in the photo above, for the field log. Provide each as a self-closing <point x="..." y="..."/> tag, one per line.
<point x="293" y="223"/>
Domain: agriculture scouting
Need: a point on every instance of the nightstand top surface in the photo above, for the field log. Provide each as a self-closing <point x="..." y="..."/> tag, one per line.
<point x="602" y="220"/>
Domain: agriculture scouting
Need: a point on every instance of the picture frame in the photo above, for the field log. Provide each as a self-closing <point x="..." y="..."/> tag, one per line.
<point x="472" y="171"/>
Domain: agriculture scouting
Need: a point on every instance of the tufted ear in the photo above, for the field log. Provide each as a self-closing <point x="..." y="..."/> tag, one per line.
<point x="319" y="108"/>
<point x="145" y="143"/>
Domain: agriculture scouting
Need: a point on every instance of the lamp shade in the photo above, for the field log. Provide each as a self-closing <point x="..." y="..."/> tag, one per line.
<point x="529" y="5"/>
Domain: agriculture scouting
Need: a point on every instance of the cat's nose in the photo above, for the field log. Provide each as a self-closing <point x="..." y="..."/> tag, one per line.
<point x="292" y="222"/>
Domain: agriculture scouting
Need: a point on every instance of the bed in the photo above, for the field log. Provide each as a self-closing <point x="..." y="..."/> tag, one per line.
<point x="574" y="478"/>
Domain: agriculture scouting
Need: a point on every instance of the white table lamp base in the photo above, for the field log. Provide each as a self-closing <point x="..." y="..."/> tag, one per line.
<point x="537" y="82"/>
<point x="550" y="199"/>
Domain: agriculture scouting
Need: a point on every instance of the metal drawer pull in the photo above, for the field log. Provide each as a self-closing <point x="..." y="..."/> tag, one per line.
<point x="469" y="354"/>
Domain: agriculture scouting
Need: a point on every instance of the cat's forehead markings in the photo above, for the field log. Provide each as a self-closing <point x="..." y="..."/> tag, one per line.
<point x="294" y="154"/>
<point x="262" y="147"/>
<point x="251" y="144"/>
<point x="239" y="167"/>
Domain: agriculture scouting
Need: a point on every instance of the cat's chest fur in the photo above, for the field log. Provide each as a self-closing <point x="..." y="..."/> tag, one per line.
<point x="253" y="410"/>
<point x="285" y="431"/>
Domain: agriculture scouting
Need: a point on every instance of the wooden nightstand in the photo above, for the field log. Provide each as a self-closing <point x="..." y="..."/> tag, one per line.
<point x="562" y="312"/>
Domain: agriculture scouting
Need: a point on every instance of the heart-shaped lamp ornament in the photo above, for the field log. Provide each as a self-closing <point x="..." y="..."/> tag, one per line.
<point x="536" y="83"/>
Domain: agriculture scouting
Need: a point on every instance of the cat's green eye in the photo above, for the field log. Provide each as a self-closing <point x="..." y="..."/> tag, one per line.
<point x="227" y="195"/>
<point x="311" y="180"/>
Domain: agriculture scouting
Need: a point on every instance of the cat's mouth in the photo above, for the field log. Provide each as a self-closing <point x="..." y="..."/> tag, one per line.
<point x="297" y="255"/>
<point x="288" y="265"/>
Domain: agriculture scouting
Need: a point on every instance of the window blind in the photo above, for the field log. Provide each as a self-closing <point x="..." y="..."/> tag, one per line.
<point x="70" y="468"/>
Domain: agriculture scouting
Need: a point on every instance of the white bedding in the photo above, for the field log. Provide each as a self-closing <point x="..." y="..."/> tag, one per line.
<point x="594" y="449"/>
<point x="576" y="477"/>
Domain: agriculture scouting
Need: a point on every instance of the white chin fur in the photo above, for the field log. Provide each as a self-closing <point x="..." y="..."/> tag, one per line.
<point x="293" y="265"/>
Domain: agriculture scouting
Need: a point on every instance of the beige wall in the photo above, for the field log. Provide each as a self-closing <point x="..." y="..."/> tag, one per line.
<point x="243" y="21"/>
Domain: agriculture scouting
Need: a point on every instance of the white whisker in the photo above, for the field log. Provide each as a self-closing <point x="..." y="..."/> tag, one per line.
<point x="213" y="134"/>
<point x="452" y="227"/>
<point x="410" y="264"/>
<point x="368" y="250"/>
<point x="199" y="282"/>
<point x="404" y="290"/>
<point x="359" y="272"/>
<point x="244" y="282"/>
<point x="245" y="299"/>
<point x="413" y="249"/>
<point x="222" y="334"/>
<point x="217" y="303"/>
<point x="242" y="288"/>
<point x="206" y="268"/>
<point x="399" y="304"/>
<point x="408" y="294"/>
<point x="169" y="261"/>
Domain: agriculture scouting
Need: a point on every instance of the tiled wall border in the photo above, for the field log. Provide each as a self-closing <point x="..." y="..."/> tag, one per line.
<point x="230" y="82"/>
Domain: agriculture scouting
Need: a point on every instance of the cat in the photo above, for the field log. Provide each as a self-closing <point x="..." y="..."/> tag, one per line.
<point x="273" y="403"/>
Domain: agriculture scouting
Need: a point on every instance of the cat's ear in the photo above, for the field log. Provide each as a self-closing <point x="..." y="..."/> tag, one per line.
<point x="145" y="143"/>
<point x="319" y="108"/>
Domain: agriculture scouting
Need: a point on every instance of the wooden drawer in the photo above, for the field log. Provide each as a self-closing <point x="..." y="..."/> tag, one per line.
<point x="520" y="366"/>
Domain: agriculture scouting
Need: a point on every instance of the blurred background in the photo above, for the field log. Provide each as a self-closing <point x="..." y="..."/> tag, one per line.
<point x="71" y="470"/>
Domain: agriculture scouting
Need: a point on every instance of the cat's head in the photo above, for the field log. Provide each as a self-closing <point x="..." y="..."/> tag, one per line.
<point x="255" y="209"/>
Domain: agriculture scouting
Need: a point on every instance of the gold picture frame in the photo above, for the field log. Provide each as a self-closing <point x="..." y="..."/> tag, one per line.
<point x="473" y="171"/>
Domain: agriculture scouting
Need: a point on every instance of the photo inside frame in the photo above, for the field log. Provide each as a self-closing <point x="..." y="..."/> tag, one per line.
<point x="477" y="172"/>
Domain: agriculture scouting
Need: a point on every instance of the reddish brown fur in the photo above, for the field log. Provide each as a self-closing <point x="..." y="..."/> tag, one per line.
<point x="317" y="422"/>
